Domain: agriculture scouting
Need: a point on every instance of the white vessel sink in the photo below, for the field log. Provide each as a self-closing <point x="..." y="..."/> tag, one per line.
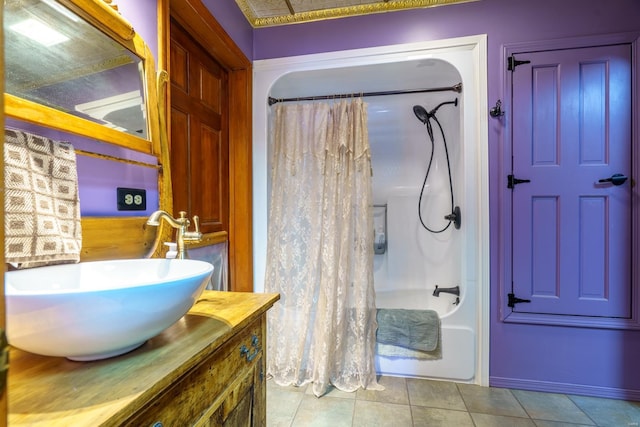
<point x="95" y="310"/>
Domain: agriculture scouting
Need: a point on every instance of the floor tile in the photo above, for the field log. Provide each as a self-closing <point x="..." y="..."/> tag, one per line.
<point x="488" y="420"/>
<point x="302" y="389"/>
<point x="421" y="402"/>
<point x="609" y="412"/>
<point x="551" y="407"/>
<point x="395" y="391"/>
<point x="282" y="405"/>
<point x="435" y="394"/>
<point x="436" y="417"/>
<point x="333" y="392"/>
<point x="379" y="414"/>
<point x="542" y="423"/>
<point x="324" y="412"/>
<point x="491" y="400"/>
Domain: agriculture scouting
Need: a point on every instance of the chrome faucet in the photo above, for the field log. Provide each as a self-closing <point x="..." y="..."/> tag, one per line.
<point x="181" y="225"/>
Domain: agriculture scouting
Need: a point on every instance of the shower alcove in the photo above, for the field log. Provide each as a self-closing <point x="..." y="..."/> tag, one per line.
<point x="415" y="260"/>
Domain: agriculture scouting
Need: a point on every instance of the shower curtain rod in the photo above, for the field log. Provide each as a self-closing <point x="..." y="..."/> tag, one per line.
<point x="454" y="88"/>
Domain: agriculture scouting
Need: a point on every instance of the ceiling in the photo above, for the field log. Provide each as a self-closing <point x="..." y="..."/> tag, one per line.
<point x="266" y="13"/>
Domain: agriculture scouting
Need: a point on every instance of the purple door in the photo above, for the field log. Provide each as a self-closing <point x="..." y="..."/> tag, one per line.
<point x="571" y="232"/>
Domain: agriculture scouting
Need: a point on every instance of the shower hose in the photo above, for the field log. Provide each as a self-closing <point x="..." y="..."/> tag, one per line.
<point x="426" y="118"/>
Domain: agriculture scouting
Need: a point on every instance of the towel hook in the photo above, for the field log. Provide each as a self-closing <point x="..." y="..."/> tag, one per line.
<point x="496" y="111"/>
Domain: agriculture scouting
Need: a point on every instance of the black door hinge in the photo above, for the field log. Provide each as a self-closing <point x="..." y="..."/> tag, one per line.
<point x="513" y="300"/>
<point x="512" y="63"/>
<point x="513" y="181"/>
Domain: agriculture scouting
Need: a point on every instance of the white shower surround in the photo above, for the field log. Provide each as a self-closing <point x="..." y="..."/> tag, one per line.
<point x="466" y="328"/>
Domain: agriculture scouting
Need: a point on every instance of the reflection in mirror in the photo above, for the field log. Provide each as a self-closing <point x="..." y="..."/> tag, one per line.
<point x="55" y="58"/>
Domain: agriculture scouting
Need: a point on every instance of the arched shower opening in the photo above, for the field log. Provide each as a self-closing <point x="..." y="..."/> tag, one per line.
<point x="412" y="261"/>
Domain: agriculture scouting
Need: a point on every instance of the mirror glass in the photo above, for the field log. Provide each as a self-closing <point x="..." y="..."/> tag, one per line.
<point x="55" y="58"/>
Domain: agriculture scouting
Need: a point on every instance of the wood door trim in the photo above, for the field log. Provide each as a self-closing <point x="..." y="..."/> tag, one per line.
<point x="195" y="18"/>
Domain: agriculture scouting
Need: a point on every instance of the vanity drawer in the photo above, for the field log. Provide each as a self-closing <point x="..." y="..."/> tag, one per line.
<point x="207" y="385"/>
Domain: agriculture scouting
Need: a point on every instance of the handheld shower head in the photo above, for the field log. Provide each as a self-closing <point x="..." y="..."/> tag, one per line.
<point x="421" y="113"/>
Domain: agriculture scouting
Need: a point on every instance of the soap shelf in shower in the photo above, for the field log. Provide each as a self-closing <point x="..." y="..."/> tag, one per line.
<point x="379" y="229"/>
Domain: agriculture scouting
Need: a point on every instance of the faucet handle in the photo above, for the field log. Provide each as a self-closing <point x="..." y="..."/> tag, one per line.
<point x="193" y="236"/>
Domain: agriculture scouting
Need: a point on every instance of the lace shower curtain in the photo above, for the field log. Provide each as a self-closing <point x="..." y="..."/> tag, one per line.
<point x="320" y="248"/>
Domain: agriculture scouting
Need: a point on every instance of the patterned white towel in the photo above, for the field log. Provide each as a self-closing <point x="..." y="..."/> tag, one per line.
<point x="42" y="208"/>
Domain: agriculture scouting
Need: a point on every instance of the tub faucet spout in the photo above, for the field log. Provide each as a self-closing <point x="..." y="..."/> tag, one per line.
<point x="453" y="291"/>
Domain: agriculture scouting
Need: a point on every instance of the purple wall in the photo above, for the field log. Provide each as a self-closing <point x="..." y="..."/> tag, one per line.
<point x="229" y="16"/>
<point x="143" y="15"/>
<point x="589" y="361"/>
<point x="505" y="21"/>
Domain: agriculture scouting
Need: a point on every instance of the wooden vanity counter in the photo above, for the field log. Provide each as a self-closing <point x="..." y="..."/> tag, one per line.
<point x="206" y="369"/>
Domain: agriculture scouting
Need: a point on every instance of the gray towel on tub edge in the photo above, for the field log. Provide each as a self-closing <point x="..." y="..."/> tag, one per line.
<point x="414" y="329"/>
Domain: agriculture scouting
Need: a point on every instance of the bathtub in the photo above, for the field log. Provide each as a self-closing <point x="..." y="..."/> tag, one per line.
<point x="457" y="341"/>
<point x="406" y="274"/>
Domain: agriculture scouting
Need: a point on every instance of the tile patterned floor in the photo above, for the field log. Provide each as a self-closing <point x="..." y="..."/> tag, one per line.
<point x="419" y="402"/>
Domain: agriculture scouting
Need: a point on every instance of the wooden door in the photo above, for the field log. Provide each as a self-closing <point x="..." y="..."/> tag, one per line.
<point x="571" y="231"/>
<point x="199" y="133"/>
<point x="195" y="18"/>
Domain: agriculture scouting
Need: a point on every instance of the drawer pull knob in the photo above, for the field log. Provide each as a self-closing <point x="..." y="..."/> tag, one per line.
<point x="244" y="350"/>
